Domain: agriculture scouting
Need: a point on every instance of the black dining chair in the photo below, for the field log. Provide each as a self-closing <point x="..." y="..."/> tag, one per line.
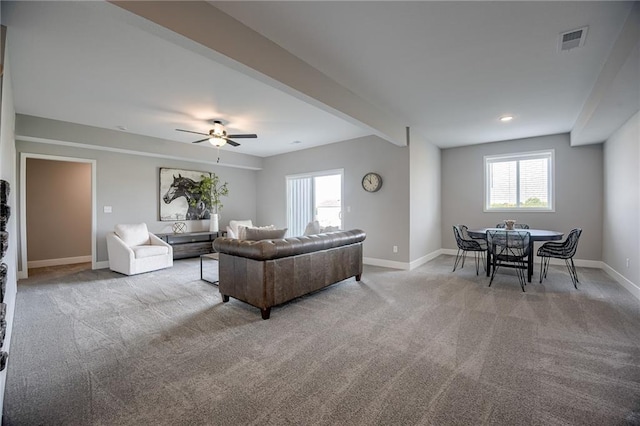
<point x="465" y="244"/>
<point x="561" y="250"/>
<point x="515" y="226"/>
<point x="509" y="249"/>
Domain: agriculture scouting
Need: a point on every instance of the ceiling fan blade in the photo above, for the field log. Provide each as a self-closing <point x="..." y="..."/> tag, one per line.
<point x="201" y="140"/>
<point x="190" y="131"/>
<point x="247" y="136"/>
<point x="232" y="143"/>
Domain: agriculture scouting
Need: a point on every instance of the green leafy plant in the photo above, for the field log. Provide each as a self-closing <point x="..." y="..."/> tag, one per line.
<point x="211" y="191"/>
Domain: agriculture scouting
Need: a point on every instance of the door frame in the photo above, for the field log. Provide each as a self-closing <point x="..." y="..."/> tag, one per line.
<point x="23" y="270"/>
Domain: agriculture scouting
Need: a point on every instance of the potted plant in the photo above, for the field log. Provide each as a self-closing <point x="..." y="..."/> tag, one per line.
<point x="211" y="192"/>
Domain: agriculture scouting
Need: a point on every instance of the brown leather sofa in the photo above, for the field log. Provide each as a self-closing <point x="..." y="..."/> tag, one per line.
<point x="267" y="273"/>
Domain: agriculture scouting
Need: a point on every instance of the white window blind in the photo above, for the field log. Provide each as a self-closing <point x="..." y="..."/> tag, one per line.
<point x="299" y="203"/>
<point x="519" y="181"/>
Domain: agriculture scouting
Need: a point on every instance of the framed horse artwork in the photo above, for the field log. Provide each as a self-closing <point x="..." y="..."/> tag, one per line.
<point x="180" y="196"/>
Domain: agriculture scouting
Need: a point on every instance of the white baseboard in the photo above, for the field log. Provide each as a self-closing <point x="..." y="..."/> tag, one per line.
<point x="101" y="265"/>
<point x="56" y="262"/>
<point x="385" y="263"/>
<point x="622" y="280"/>
<point x="424" y="259"/>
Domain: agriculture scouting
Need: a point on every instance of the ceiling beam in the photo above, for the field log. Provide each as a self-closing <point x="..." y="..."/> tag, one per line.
<point x="201" y="27"/>
<point x="592" y="125"/>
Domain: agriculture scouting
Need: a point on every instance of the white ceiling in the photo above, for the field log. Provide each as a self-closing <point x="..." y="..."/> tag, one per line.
<point x="449" y="70"/>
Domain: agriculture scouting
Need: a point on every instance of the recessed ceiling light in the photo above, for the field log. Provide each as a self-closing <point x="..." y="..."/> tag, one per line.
<point x="506" y="118"/>
<point x="296" y="142"/>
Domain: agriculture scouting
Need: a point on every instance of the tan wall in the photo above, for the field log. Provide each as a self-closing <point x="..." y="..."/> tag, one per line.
<point x="58" y="209"/>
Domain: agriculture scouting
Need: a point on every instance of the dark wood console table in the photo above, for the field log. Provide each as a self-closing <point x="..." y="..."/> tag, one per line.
<point x="190" y="244"/>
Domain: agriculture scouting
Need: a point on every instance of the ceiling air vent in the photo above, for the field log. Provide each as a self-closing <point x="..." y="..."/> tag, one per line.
<point x="572" y="39"/>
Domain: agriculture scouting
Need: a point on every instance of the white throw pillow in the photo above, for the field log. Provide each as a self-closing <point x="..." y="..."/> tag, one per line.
<point x="312" y="228"/>
<point x="134" y="234"/>
<point x="233" y="224"/>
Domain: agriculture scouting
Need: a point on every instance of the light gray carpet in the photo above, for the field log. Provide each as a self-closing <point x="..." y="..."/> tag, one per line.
<point x="401" y="347"/>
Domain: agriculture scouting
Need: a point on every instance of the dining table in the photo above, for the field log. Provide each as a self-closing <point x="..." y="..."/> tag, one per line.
<point x="534" y="235"/>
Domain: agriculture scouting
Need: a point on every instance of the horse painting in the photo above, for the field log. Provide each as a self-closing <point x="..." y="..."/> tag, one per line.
<point x="187" y="188"/>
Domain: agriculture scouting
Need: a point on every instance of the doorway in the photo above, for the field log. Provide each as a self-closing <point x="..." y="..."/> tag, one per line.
<point x="57" y="212"/>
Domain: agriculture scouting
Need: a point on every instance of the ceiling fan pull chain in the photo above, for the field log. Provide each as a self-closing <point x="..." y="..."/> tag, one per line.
<point x="218" y="155"/>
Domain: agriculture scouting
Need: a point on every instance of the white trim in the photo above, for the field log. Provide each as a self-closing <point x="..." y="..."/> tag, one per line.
<point x="517" y="156"/>
<point x="101" y="265"/>
<point x="424" y="259"/>
<point x="129" y="151"/>
<point x="23" y="261"/>
<point x="56" y="262"/>
<point x="385" y="263"/>
<point x="634" y="289"/>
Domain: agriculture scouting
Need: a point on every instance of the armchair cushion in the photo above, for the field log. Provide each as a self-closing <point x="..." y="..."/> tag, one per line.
<point x="141" y="252"/>
<point x="133" y="234"/>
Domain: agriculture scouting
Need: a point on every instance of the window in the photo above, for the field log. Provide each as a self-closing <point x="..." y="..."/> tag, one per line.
<point x="519" y="182"/>
<point x="314" y="196"/>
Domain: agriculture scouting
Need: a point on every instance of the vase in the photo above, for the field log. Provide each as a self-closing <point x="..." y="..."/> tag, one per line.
<point x="213" y="223"/>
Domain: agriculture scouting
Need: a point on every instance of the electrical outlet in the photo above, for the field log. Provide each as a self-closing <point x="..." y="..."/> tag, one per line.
<point x="627" y="262"/>
<point x="395" y="249"/>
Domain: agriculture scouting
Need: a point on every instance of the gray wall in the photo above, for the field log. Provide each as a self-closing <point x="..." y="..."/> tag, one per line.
<point x="578" y="190"/>
<point x="425" y="233"/>
<point x="621" y="225"/>
<point x="383" y="215"/>
<point x="129" y="183"/>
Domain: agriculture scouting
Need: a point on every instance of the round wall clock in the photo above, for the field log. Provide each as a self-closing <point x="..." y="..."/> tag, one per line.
<point x="372" y="182"/>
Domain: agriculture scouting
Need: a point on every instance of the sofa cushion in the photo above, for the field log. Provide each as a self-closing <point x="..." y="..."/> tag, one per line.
<point x="233" y="226"/>
<point x="133" y="234"/>
<point x="149" y="251"/>
<point x="242" y="230"/>
<point x="266" y="233"/>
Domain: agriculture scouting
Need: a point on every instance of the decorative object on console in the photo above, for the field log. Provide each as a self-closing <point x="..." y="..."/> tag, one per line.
<point x="212" y="192"/>
<point x="372" y="182"/>
<point x="179" y="227"/>
<point x="508" y="224"/>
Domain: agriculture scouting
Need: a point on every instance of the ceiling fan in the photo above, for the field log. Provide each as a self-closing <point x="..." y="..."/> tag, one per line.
<point x="218" y="135"/>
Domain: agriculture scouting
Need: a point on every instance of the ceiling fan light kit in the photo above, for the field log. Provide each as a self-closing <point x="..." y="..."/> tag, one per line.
<point x="218" y="135"/>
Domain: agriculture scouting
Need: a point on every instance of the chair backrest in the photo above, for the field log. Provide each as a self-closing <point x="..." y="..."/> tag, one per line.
<point x="515" y="225"/>
<point x="135" y="234"/>
<point x="571" y="243"/>
<point x="457" y="233"/>
<point x="512" y="243"/>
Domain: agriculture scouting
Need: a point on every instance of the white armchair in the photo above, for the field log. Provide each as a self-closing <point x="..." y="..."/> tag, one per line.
<point x="133" y="250"/>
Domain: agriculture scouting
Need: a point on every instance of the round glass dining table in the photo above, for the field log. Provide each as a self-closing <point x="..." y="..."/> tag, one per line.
<point x="534" y="235"/>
